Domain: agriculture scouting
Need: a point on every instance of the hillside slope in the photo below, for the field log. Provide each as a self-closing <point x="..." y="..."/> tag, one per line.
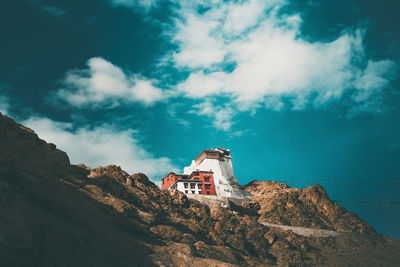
<point x="309" y="207"/>
<point x="56" y="214"/>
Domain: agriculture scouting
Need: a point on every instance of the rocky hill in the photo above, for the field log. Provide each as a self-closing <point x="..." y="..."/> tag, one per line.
<point x="56" y="214"/>
<point x="309" y="207"/>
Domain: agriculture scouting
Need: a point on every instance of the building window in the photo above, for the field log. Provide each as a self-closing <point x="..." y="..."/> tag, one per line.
<point x="207" y="186"/>
<point x="192" y="185"/>
<point x="186" y="191"/>
<point x="199" y="186"/>
<point x="200" y="192"/>
<point x="208" y="192"/>
<point x="192" y="192"/>
<point x="186" y="185"/>
<point x="207" y="179"/>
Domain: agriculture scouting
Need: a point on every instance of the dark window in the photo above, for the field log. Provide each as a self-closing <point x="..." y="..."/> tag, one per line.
<point x="207" y="186"/>
<point x="207" y="179"/>
<point x="192" y="192"/>
<point x="200" y="192"/>
<point x="198" y="186"/>
<point x="208" y="192"/>
<point x="186" y="191"/>
<point x="192" y="185"/>
<point x="186" y="185"/>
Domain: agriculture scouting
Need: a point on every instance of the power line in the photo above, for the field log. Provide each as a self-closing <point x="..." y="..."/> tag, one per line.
<point x="369" y="202"/>
<point x="342" y="182"/>
<point x="337" y="182"/>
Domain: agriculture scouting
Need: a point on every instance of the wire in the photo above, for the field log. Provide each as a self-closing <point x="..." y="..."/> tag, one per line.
<point x="350" y="183"/>
<point x="369" y="202"/>
<point x="335" y="182"/>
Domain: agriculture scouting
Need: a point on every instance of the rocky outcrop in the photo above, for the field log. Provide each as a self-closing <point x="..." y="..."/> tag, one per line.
<point x="56" y="214"/>
<point x="278" y="203"/>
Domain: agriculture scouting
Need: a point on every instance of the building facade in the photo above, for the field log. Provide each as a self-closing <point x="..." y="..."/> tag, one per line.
<point x="218" y="161"/>
<point x="197" y="183"/>
<point x="211" y="173"/>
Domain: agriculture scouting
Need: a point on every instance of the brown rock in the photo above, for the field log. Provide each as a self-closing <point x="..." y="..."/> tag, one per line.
<point x="56" y="214"/>
<point x="308" y="207"/>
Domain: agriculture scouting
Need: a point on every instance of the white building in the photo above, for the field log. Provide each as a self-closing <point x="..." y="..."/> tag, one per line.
<point x="190" y="187"/>
<point x="219" y="161"/>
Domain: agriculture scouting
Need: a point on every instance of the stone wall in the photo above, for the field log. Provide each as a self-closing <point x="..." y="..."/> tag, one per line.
<point x="211" y="201"/>
<point x="221" y="201"/>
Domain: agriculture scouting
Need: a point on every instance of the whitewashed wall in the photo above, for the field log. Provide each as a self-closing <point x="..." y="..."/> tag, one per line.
<point x="223" y="176"/>
<point x="181" y="187"/>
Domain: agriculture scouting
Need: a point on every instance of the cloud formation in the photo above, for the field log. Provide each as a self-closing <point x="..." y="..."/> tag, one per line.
<point x="4" y="102"/>
<point x="221" y="116"/>
<point x="240" y="56"/>
<point x="103" y="84"/>
<point x="54" y="10"/>
<point x="135" y="3"/>
<point x="253" y="54"/>
<point x="102" y="145"/>
<point x="97" y="146"/>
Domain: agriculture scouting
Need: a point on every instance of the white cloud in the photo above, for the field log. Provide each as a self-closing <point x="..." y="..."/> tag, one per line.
<point x="271" y="61"/>
<point x="135" y="3"/>
<point x="4" y="106"/>
<point x="249" y="53"/>
<point x="198" y="48"/>
<point x="106" y="85"/>
<point x="221" y="116"/>
<point x="174" y="114"/>
<point x="101" y="145"/>
<point x="54" y="10"/>
<point x="4" y="102"/>
<point x="49" y="9"/>
<point x="372" y="78"/>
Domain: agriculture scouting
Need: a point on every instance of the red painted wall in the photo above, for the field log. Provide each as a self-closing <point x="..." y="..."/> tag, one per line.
<point x="169" y="180"/>
<point x="202" y="177"/>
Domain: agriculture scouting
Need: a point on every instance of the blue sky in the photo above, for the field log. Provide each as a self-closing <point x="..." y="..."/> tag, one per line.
<point x="298" y="90"/>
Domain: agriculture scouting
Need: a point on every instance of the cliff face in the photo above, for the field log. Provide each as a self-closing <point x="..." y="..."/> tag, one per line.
<point x="56" y="214"/>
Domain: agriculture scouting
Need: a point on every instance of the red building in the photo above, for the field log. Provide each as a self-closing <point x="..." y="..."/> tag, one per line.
<point x="198" y="182"/>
